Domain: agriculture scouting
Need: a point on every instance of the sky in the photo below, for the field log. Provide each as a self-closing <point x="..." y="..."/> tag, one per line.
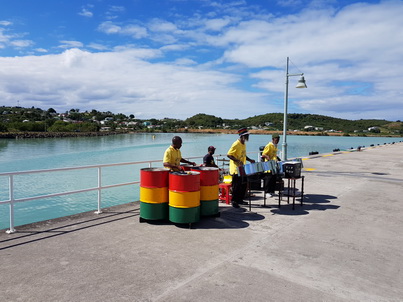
<point x="227" y="58"/>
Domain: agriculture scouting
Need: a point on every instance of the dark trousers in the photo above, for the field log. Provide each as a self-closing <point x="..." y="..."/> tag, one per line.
<point x="270" y="183"/>
<point x="239" y="185"/>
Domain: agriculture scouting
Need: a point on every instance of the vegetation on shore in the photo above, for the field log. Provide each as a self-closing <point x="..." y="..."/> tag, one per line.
<point x="19" y="122"/>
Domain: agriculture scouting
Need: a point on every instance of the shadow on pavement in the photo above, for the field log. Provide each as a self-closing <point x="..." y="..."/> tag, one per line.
<point x="311" y="202"/>
<point x="230" y="218"/>
<point x="43" y="230"/>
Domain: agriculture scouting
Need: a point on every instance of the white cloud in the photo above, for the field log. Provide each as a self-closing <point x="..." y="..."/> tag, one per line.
<point x="42" y="50"/>
<point x="21" y="43"/>
<point x="86" y="13"/>
<point x="352" y="46"/>
<point x="122" y="82"/>
<point x="70" y="44"/>
<point x="354" y="33"/>
<point x="5" y="23"/>
<point x="162" y="26"/>
<point x="135" y="31"/>
<point x="185" y="61"/>
<point x="98" y="46"/>
<point x="109" y="28"/>
<point x="12" y="40"/>
<point x="114" y="12"/>
<point x="116" y="9"/>
<point x="132" y="30"/>
<point x="217" y="24"/>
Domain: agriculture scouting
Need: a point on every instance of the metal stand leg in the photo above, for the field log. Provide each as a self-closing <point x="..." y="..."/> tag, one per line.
<point x="293" y="193"/>
<point x="250" y="200"/>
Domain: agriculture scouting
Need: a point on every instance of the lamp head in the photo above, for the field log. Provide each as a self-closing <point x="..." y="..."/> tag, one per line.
<point x="301" y="83"/>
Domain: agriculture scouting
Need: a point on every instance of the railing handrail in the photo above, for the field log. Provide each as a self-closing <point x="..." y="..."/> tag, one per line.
<point x="11" y="201"/>
<point x="96" y="166"/>
<point x="76" y="168"/>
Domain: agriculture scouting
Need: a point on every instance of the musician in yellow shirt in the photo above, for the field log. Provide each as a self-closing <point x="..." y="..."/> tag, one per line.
<point x="270" y="153"/>
<point x="238" y="157"/>
<point x="173" y="155"/>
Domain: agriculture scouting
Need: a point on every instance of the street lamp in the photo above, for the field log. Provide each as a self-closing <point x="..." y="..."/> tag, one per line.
<point x="301" y="84"/>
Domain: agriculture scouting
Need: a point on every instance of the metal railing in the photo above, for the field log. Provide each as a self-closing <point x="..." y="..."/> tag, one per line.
<point x="223" y="163"/>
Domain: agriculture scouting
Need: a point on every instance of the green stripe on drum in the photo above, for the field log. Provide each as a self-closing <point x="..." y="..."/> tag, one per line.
<point x="154" y="211"/>
<point x="208" y="207"/>
<point x="184" y="215"/>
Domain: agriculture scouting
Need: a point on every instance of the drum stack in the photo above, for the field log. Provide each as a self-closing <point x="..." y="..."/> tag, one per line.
<point x="153" y="194"/>
<point x="209" y="180"/>
<point x="184" y="197"/>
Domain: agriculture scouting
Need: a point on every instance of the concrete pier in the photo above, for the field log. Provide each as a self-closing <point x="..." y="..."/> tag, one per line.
<point x="344" y="244"/>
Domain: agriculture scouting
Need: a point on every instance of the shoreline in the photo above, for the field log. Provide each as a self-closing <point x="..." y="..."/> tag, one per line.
<point x="32" y="135"/>
<point x="23" y="135"/>
<point x="266" y="132"/>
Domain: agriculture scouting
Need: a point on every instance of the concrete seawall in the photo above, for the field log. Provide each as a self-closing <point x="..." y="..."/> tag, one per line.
<point x="343" y="244"/>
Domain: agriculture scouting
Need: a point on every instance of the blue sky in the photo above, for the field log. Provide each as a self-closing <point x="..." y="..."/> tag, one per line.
<point x="177" y="58"/>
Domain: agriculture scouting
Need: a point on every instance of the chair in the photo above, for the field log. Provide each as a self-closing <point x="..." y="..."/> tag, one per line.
<point x="225" y="192"/>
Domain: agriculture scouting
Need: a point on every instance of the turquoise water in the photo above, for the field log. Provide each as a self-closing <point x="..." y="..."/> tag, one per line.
<point x="37" y="154"/>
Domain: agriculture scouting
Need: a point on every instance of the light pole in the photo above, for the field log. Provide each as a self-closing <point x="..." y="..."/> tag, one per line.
<point x="301" y="84"/>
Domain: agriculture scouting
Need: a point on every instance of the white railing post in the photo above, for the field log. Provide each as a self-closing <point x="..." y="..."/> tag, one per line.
<point x="99" y="190"/>
<point x="11" y="194"/>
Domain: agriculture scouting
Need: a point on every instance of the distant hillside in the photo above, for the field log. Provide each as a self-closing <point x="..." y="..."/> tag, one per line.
<point x="298" y="121"/>
<point x="19" y="119"/>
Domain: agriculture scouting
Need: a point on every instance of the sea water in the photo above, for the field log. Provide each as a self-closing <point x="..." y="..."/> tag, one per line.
<point x="52" y="153"/>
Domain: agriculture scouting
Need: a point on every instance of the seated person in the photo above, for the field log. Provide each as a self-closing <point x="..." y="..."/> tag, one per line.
<point x="208" y="159"/>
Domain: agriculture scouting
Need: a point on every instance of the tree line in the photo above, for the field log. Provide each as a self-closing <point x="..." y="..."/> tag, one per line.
<point x="33" y="119"/>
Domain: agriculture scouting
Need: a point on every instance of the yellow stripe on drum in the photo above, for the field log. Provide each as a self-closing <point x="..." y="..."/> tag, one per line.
<point x="154" y="195"/>
<point x="179" y="199"/>
<point x="209" y="192"/>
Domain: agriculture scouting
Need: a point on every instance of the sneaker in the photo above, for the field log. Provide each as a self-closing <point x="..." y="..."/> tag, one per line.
<point x="235" y="204"/>
<point x="269" y="195"/>
<point x="243" y="202"/>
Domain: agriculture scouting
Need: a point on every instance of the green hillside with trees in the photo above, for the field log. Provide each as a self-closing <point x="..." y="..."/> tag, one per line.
<point x="298" y="121"/>
<point x="18" y="119"/>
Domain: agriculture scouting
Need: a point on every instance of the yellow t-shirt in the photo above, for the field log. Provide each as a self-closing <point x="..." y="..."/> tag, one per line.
<point x="172" y="156"/>
<point x="271" y="151"/>
<point x="238" y="150"/>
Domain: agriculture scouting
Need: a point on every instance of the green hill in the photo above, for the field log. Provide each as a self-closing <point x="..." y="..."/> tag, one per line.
<point x="299" y="121"/>
<point x="19" y="119"/>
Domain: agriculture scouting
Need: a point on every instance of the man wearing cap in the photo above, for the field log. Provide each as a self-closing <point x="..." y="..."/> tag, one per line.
<point x="208" y="159"/>
<point x="270" y="153"/>
<point x="238" y="157"/>
<point x="173" y="156"/>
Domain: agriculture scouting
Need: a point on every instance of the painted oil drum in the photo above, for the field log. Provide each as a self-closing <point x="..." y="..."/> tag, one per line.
<point x="184" y="181"/>
<point x="184" y="197"/>
<point x="209" y="176"/>
<point x="209" y="191"/>
<point x="154" y="194"/>
<point x="154" y="177"/>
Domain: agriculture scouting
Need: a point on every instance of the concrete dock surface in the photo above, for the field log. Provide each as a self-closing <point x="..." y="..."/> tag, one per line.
<point x="344" y="243"/>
